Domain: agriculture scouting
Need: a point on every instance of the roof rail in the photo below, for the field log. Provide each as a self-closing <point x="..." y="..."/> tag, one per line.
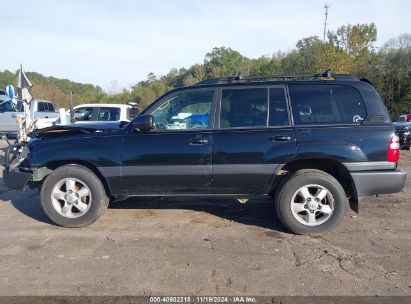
<point x="239" y="78"/>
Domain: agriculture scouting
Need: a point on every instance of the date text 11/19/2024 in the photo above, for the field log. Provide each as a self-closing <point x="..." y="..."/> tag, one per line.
<point x="203" y="299"/>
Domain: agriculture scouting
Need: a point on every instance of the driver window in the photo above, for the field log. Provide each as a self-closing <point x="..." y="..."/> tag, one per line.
<point x="184" y="111"/>
<point x="83" y="114"/>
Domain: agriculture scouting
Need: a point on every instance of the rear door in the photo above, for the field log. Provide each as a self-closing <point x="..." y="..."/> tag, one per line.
<point x="253" y="138"/>
<point x="328" y="123"/>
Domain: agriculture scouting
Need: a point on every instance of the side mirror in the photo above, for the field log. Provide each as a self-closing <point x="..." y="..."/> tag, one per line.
<point x="143" y="123"/>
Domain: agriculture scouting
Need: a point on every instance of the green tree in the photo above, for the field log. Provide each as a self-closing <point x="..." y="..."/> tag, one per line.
<point x="223" y="62"/>
<point x="394" y="77"/>
<point x="313" y="55"/>
<point x="266" y="65"/>
<point x="354" y="39"/>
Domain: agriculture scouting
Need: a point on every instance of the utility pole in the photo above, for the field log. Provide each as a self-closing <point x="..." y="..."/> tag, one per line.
<point x="71" y="107"/>
<point x="325" y="22"/>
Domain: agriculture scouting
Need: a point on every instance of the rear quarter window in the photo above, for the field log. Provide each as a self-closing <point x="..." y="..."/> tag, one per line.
<point x="326" y="104"/>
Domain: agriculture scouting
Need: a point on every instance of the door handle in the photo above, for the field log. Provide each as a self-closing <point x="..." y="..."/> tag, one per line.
<point x="280" y="138"/>
<point x="198" y="141"/>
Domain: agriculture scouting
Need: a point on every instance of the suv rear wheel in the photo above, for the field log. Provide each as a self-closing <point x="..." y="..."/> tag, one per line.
<point x="73" y="196"/>
<point x="310" y="201"/>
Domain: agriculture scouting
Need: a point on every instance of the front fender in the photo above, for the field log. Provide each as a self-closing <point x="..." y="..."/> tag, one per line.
<point x="101" y="151"/>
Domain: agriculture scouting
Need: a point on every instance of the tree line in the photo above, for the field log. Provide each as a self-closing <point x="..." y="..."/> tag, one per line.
<point x="349" y="49"/>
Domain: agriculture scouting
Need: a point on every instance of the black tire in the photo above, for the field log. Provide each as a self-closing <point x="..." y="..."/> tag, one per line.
<point x="299" y="179"/>
<point x="98" y="203"/>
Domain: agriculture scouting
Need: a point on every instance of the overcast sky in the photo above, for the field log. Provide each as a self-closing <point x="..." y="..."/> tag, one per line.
<point x="100" y="41"/>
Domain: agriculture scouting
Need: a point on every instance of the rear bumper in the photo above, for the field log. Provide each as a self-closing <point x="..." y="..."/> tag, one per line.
<point x="368" y="183"/>
<point x="16" y="179"/>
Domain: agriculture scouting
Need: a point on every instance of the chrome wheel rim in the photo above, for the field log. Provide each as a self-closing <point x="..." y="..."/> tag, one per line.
<point x="312" y="205"/>
<point x="71" y="198"/>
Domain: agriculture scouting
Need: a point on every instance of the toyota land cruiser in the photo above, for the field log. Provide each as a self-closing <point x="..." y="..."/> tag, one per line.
<point x="311" y="142"/>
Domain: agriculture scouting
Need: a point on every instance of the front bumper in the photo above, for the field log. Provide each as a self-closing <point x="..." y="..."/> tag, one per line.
<point x="368" y="183"/>
<point x="16" y="179"/>
<point x="13" y="177"/>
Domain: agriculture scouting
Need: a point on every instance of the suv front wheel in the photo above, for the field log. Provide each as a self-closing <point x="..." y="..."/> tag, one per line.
<point x="310" y="201"/>
<point x="73" y="196"/>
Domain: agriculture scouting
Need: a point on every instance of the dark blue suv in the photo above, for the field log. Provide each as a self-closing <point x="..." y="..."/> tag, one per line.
<point x="311" y="142"/>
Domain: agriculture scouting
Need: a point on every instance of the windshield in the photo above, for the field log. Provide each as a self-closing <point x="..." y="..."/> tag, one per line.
<point x="7" y="106"/>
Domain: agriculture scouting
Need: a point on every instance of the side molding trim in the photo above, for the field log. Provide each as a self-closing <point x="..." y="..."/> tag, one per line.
<point x="369" y="166"/>
<point x="263" y="169"/>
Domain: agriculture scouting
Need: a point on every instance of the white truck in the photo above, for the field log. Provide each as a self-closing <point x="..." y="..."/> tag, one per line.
<point x="100" y="113"/>
<point x="42" y="110"/>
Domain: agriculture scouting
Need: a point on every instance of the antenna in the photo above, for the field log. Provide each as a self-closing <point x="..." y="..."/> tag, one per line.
<point x="325" y="22"/>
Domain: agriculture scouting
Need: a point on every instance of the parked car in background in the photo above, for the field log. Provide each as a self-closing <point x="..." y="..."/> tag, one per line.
<point x="8" y="112"/>
<point x="104" y="113"/>
<point x="4" y="96"/>
<point x="42" y="110"/>
<point x="403" y="129"/>
<point x="90" y="113"/>
<point x="405" y="117"/>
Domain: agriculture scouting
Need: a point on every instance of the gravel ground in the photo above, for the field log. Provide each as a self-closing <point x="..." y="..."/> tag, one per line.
<point x="173" y="246"/>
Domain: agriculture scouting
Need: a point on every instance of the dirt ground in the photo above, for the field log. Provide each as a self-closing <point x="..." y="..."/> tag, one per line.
<point x="158" y="246"/>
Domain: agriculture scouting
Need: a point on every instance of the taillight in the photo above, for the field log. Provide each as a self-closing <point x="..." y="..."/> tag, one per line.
<point x="393" y="154"/>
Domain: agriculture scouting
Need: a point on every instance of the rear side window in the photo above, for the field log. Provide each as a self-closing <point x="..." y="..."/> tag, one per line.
<point x="326" y="104"/>
<point x="244" y="108"/>
<point x="109" y="114"/>
<point x="42" y="107"/>
<point x="45" y="107"/>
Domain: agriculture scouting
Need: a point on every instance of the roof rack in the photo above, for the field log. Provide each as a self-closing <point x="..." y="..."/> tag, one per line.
<point x="239" y="78"/>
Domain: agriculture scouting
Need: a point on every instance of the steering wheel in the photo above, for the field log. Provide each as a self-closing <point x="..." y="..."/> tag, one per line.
<point x="164" y="123"/>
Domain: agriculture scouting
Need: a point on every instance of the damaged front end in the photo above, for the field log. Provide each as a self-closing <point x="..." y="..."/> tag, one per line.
<point x="15" y="176"/>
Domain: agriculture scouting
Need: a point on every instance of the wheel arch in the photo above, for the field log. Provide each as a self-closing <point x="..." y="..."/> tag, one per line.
<point x="327" y="165"/>
<point x="53" y="165"/>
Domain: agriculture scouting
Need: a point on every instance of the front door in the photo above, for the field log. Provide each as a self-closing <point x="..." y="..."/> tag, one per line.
<point x="175" y="157"/>
<point x="253" y="140"/>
